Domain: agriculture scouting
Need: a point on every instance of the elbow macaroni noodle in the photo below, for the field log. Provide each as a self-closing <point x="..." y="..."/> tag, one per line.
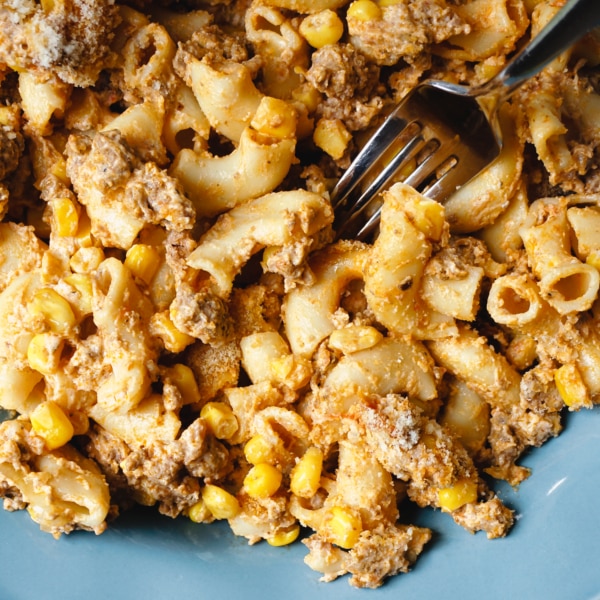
<point x="179" y="328"/>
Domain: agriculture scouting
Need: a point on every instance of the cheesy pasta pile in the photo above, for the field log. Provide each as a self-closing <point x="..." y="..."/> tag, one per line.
<point x="178" y="325"/>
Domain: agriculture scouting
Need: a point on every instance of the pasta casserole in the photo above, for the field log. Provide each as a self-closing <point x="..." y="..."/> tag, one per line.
<point x="180" y="327"/>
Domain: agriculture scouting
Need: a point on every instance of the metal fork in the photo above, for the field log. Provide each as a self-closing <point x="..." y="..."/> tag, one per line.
<point x="450" y="132"/>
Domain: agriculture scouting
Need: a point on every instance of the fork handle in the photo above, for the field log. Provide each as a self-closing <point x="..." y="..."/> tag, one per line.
<point x="569" y="25"/>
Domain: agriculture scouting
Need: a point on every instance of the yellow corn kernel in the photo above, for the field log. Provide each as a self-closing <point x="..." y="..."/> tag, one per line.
<point x="364" y="10"/>
<point x="571" y="387"/>
<point x="305" y="477"/>
<point x="183" y="377"/>
<point x="307" y="95"/>
<point x="428" y="216"/>
<point x="48" y="5"/>
<point x="86" y="259"/>
<point x="143" y="262"/>
<point x="65" y="217"/>
<point x="332" y="137"/>
<point x="55" y="310"/>
<point x="44" y="351"/>
<point x="285" y="536"/>
<point x="354" y="338"/>
<point x="50" y="422"/>
<point x="84" y="232"/>
<point x="593" y="259"/>
<point x="388" y="2"/>
<point x="220" y="503"/>
<point x="294" y="371"/>
<point x="174" y="340"/>
<point x="276" y="118"/>
<point x="257" y="450"/>
<point x="457" y="495"/>
<point x="59" y="170"/>
<point x="220" y="418"/>
<point x="488" y="68"/>
<point x="199" y="513"/>
<point x="82" y="283"/>
<point x="345" y="526"/>
<point x="322" y="28"/>
<point x="262" y="481"/>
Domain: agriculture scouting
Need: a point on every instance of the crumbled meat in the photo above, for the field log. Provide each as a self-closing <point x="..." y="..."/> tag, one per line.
<point x="11" y="149"/>
<point x="202" y="314"/>
<point x="383" y="552"/>
<point x="418" y="450"/>
<point x="255" y="308"/>
<point x="70" y="38"/>
<point x="167" y="473"/>
<point x="350" y="83"/>
<point x="216" y="366"/>
<point x="492" y="517"/>
<point x="404" y="30"/>
<point x="121" y="194"/>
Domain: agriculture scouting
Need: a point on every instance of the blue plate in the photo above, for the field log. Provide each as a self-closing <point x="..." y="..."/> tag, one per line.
<point x="552" y="553"/>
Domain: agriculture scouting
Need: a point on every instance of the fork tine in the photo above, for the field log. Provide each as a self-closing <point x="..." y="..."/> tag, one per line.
<point x="435" y="155"/>
<point x="407" y="151"/>
<point x="371" y="152"/>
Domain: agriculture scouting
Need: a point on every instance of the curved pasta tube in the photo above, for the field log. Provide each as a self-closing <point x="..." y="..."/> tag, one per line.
<point x="469" y="357"/>
<point x="17" y="385"/>
<point x="62" y="489"/>
<point x="42" y="99"/>
<point x="217" y="183"/>
<point x="284" y="431"/>
<point x="362" y="483"/>
<point x="514" y="300"/>
<point x="457" y="297"/>
<point x="117" y="306"/>
<point x="18" y="378"/>
<point x="141" y="126"/>
<point x="496" y="25"/>
<point x="393" y="366"/>
<point x="181" y="26"/>
<point x="467" y="415"/>
<point x="585" y="227"/>
<point x="588" y="361"/>
<point x="79" y="486"/>
<point x="478" y="202"/>
<point x="267" y="357"/>
<point x="226" y="94"/>
<point x="185" y="125"/>
<point x="276" y="219"/>
<point x="278" y="41"/>
<point x="565" y="282"/>
<point x="502" y="236"/>
<point x="148" y="63"/>
<point x="549" y="133"/>
<point x="246" y="402"/>
<point x="394" y="269"/>
<point x="541" y="15"/>
<point x="146" y="422"/>
<point x="588" y="110"/>
<point x="309" y="310"/>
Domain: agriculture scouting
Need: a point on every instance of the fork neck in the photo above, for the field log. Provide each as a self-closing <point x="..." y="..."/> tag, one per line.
<point x="569" y="25"/>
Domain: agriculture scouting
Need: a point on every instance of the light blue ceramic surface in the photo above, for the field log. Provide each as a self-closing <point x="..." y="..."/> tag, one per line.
<point x="553" y="552"/>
